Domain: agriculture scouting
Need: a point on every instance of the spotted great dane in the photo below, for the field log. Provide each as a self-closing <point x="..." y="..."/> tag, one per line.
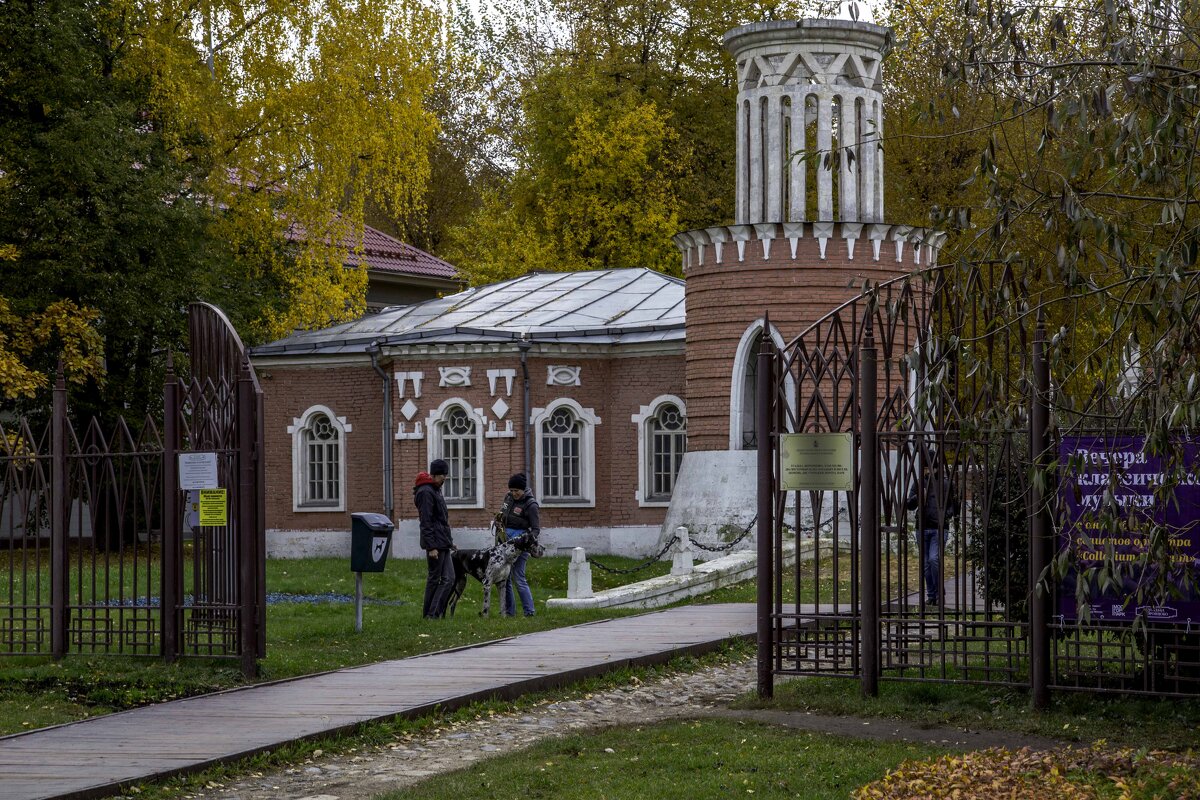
<point x="490" y="567"/>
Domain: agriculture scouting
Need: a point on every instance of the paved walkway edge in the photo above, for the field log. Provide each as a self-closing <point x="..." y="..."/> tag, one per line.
<point x="151" y="739"/>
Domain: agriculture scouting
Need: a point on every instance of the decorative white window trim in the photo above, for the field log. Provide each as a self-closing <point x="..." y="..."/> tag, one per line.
<point x="645" y="413"/>
<point x="433" y="443"/>
<point x="506" y="432"/>
<point x="737" y="389"/>
<point x="454" y="377"/>
<point x="300" y="459"/>
<point x="509" y="375"/>
<point x="415" y="377"/>
<point x="562" y="375"/>
<point x="417" y="432"/>
<point x="587" y="455"/>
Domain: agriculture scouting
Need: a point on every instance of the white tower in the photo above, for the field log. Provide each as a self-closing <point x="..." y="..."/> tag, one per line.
<point x="809" y="120"/>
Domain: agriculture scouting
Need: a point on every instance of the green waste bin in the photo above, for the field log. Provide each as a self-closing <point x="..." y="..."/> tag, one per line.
<point x="370" y="541"/>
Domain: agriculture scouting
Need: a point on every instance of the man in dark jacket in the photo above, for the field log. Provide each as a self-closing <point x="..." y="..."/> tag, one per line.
<point x="435" y="537"/>
<point x="936" y="501"/>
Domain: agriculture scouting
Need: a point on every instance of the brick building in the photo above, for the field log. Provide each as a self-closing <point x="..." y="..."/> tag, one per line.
<point x="597" y="383"/>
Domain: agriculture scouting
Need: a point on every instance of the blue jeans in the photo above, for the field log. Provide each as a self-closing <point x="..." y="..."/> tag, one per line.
<point x="517" y="575"/>
<point x="931" y="568"/>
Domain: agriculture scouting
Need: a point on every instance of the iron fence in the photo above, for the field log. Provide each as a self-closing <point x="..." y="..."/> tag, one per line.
<point x="102" y="554"/>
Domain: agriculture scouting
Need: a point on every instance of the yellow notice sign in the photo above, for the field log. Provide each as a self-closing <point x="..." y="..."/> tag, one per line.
<point x="816" y="462"/>
<point x="214" y="510"/>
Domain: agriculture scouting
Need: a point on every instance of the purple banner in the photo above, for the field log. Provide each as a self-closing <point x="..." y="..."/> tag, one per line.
<point x="1093" y="466"/>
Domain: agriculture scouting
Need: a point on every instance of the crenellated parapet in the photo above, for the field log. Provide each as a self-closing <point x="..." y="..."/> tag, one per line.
<point x="781" y="242"/>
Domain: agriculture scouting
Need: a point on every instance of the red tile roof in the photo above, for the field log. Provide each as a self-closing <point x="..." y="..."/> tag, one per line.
<point x="388" y="254"/>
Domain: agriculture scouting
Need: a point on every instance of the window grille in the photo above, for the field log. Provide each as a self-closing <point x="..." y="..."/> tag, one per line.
<point x="562" y="441"/>
<point x="322" y="468"/>
<point x="668" y="443"/>
<point x="458" y="440"/>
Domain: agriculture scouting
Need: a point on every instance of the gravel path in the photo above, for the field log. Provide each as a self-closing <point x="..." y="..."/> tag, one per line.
<point x="367" y="772"/>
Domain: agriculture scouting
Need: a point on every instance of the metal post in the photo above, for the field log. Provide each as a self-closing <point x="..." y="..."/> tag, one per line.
<point x="58" y="519"/>
<point x="358" y="602"/>
<point x="246" y="527"/>
<point x="171" y="527"/>
<point x="766" y="506"/>
<point x="868" y="514"/>
<point x="1039" y="621"/>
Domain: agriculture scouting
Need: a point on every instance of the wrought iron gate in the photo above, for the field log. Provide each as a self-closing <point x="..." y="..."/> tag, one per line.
<point x="944" y="374"/>
<point x="100" y="555"/>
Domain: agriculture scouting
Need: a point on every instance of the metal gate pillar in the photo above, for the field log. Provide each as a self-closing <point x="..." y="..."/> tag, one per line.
<point x="766" y="508"/>
<point x="868" y="515"/>
<point x="1039" y="528"/>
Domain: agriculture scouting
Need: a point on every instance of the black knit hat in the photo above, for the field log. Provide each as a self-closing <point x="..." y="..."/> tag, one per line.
<point x="518" y="481"/>
<point x="439" y="467"/>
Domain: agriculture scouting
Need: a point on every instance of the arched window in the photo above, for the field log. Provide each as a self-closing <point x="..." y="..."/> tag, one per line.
<point x="662" y="441"/>
<point x="743" y="393"/>
<point x="319" y="460"/>
<point x="456" y="435"/>
<point x="565" y="433"/>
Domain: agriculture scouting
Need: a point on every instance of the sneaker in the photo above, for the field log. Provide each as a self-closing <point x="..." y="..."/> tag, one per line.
<point x="932" y="601"/>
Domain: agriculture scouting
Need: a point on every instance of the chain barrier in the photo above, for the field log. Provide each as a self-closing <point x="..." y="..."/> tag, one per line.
<point x="641" y="566"/>
<point x="720" y="548"/>
<point x="708" y="548"/>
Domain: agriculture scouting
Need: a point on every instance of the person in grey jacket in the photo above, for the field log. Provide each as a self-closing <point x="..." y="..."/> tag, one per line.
<point x="436" y="539"/>
<point x="935" y="499"/>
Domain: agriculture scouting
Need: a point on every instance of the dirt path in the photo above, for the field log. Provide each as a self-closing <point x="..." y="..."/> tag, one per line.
<point x="365" y="773"/>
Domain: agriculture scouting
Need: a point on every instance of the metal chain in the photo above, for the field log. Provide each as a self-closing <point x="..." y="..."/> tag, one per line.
<point x="728" y="545"/>
<point x="671" y="542"/>
<point x="641" y="566"/>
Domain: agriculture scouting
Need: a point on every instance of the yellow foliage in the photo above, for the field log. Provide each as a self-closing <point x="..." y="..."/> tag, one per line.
<point x="64" y="329"/>
<point x="302" y="109"/>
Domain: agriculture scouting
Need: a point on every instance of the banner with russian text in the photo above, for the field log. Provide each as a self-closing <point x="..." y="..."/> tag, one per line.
<point x="1101" y="474"/>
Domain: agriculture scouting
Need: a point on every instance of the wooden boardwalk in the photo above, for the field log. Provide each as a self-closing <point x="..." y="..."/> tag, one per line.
<point x="98" y="757"/>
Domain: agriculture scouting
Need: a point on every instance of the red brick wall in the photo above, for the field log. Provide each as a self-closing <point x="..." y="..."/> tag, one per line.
<point x="614" y="388"/>
<point x="724" y="299"/>
<point x="350" y="391"/>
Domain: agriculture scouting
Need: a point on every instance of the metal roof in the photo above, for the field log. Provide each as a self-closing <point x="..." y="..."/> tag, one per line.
<point x="605" y="306"/>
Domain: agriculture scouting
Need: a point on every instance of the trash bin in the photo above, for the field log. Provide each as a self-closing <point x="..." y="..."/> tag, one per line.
<point x="370" y="540"/>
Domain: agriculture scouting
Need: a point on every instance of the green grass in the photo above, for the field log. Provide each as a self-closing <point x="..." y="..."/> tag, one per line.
<point x="1072" y="717"/>
<point x="302" y="638"/>
<point x="685" y="760"/>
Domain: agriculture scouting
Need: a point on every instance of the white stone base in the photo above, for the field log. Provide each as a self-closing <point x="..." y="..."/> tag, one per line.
<point x="667" y="589"/>
<point x="632" y="541"/>
<point x="716" y="497"/>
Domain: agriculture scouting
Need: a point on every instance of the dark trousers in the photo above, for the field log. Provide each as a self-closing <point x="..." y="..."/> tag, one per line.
<point x="932" y="542"/>
<point x="438" y="583"/>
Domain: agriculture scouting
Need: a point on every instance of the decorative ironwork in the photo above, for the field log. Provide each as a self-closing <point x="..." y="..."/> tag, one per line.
<point x="944" y="370"/>
<point x="95" y="551"/>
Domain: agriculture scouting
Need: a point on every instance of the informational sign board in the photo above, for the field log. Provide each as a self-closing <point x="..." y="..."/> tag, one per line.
<point x="197" y="471"/>
<point x="213" y="508"/>
<point x="816" y="462"/>
<point x="1094" y="469"/>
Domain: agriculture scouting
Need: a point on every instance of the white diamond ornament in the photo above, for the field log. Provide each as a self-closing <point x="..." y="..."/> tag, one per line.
<point x="408" y="409"/>
<point x="500" y="408"/>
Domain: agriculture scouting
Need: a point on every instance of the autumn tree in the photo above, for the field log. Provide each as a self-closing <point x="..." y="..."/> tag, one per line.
<point x="298" y="112"/>
<point x="621" y="126"/>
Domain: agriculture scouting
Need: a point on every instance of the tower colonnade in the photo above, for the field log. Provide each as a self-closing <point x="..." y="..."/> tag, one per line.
<point x="809" y="121"/>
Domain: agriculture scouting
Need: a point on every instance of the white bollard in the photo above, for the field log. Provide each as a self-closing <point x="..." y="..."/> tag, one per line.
<point x="579" y="576"/>
<point x="681" y="560"/>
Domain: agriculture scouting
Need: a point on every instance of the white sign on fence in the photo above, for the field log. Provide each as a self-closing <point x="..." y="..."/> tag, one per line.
<point x="198" y="471"/>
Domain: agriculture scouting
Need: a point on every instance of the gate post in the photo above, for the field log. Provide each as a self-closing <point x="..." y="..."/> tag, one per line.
<point x="58" y="518"/>
<point x="171" y="533"/>
<point x="246" y="524"/>
<point x="766" y="507"/>
<point x="868" y="514"/>
<point x="1039" y="529"/>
